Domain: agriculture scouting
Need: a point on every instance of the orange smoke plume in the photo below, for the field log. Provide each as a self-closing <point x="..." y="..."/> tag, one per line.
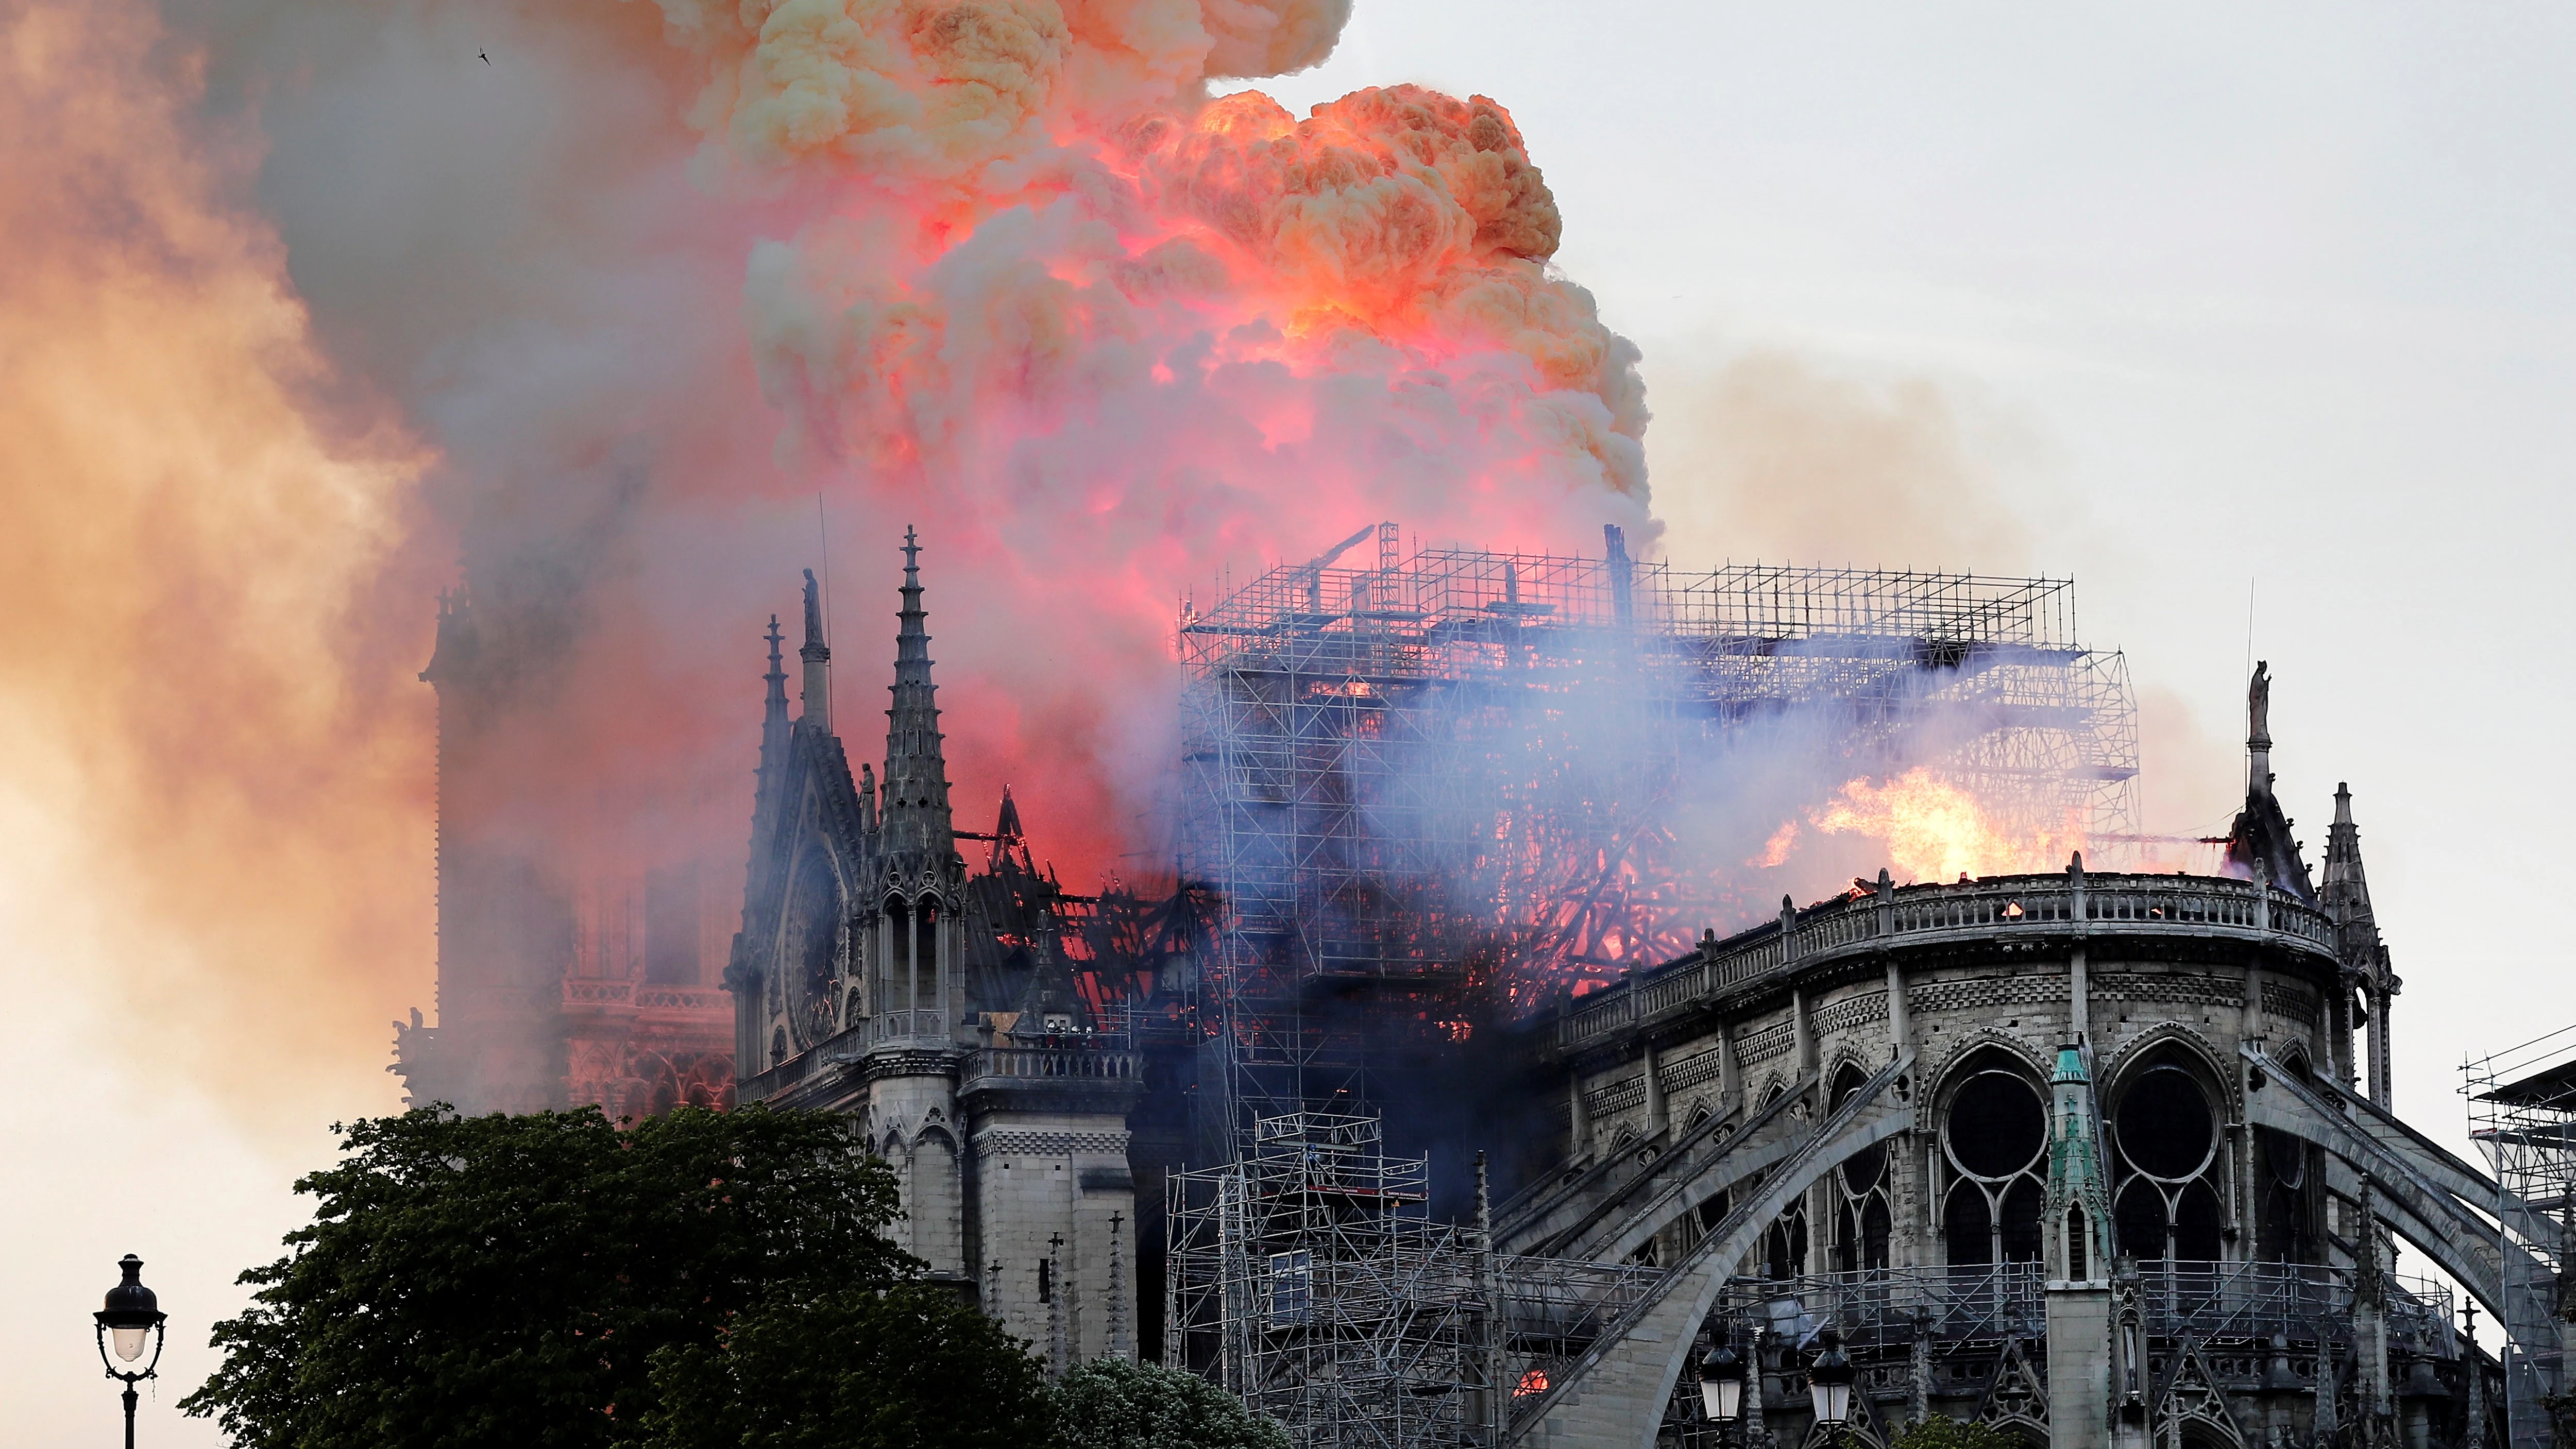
<point x="213" y="766"/>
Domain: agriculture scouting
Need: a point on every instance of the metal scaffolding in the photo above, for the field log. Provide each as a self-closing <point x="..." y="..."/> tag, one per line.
<point x="2522" y="1112"/>
<point x="1466" y="780"/>
<point x="1309" y="1280"/>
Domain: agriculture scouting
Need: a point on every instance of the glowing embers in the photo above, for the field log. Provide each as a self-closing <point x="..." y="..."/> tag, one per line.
<point x="1862" y="1219"/>
<point x="1995" y="1134"/>
<point x="2165" y="1150"/>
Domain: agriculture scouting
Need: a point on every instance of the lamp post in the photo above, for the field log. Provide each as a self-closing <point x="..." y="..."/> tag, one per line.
<point x="1829" y="1380"/>
<point x="1721" y="1388"/>
<point x="131" y="1322"/>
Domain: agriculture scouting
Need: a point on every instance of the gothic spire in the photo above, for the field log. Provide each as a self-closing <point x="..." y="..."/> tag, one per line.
<point x="774" y="704"/>
<point x="773" y="709"/>
<point x="818" y="662"/>
<point x="916" y="820"/>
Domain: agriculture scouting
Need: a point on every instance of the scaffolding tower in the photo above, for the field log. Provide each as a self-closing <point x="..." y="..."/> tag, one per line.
<point x="1308" y="1279"/>
<point x="2522" y="1113"/>
<point x="1459" y="782"/>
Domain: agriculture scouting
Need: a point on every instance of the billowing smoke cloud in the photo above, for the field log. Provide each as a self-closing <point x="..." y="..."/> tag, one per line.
<point x="1102" y="335"/>
<point x="609" y="315"/>
<point x="213" y="759"/>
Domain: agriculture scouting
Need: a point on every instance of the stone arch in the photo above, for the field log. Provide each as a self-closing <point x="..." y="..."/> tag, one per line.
<point x="1987" y="1120"/>
<point x="813" y="937"/>
<point x="1859" y="1200"/>
<point x="1592" y="1401"/>
<point x="1699" y="1111"/>
<point x="2190" y="1041"/>
<point x="1943" y="1079"/>
<point x="2170" y="1161"/>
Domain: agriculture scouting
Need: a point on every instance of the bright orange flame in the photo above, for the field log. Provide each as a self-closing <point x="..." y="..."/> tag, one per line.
<point x="1934" y="829"/>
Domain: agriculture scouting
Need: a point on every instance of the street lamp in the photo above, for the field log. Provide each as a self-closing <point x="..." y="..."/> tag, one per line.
<point x="129" y="1323"/>
<point x="1829" y="1380"/>
<point x="1721" y="1385"/>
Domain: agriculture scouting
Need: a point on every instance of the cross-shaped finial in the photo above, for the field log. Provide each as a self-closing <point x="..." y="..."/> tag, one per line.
<point x="911" y="548"/>
<point x="1056" y="1242"/>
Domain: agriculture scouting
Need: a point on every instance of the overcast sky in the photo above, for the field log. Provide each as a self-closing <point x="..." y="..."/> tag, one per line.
<point x="2280" y="297"/>
<point x="2177" y="303"/>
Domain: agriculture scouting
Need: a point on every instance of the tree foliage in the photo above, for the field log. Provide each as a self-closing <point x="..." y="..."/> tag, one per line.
<point x="913" y="1365"/>
<point x="1939" y="1431"/>
<point x="703" y="1280"/>
<point x="500" y="1280"/>
<point x="1112" y="1404"/>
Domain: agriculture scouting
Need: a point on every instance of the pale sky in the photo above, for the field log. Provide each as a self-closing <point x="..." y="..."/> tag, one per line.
<point x="2211" y="297"/>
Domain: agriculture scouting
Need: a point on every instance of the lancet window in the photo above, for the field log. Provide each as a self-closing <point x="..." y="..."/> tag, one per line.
<point x="1862" y="1218"/>
<point x="2166" y="1198"/>
<point x="1995" y="1137"/>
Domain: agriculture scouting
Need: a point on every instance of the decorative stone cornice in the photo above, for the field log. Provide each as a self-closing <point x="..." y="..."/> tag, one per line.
<point x="1039" y="1142"/>
<point x="910" y="1062"/>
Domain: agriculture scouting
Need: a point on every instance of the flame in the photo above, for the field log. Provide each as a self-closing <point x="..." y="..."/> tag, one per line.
<point x="1934" y="830"/>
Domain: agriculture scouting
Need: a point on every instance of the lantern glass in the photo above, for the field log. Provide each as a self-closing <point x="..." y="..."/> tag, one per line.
<point x="129" y="1342"/>
<point x="1832" y="1402"/>
<point x="1721" y="1385"/>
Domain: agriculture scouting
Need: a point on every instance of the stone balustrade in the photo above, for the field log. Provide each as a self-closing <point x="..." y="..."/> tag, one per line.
<point x="1992" y="910"/>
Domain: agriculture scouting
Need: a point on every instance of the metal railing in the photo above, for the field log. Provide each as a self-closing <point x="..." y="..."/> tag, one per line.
<point x="1054" y="1063"/>
<point x="2244" y="1300"/>
<point x="1555" y="1308"/>
<point x="2109" y="905"/>
<point x="1890" y="1306"/>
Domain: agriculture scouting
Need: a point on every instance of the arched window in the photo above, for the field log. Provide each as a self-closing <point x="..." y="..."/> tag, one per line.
<point x="1861" y="1217"/>
<point x="812" y="949"/>
<point x="1995" y="1135"/>
<point x="2166" y="1163"/>
<point x="2284" y="1220"/>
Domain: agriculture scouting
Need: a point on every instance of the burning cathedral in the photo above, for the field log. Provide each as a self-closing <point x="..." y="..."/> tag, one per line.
<point x="1429" y="1105"/>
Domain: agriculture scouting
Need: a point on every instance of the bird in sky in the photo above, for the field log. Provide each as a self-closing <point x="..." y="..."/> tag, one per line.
<point x="487" y="56"/>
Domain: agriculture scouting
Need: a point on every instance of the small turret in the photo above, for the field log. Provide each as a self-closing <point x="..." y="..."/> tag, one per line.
<point x="2078" y="1197"/>
<point x="2344" y="892"/>
<point x="773" y="707"/>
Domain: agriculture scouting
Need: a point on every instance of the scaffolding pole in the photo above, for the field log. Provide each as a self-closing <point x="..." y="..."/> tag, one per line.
<point x="2522" y="1113"/>
<point x="1451" y="781"/>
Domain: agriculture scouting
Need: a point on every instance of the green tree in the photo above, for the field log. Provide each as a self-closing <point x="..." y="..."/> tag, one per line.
<point x="1112" y="1404"/>
<point x="911" y="1366"/>
<point x="1940" y="1431"/>
<point x="510" y="1280"/>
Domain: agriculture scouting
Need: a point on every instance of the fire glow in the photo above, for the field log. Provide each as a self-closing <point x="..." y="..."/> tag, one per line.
<point x="1097" y="330"/>
<point x="1933" y="830"/>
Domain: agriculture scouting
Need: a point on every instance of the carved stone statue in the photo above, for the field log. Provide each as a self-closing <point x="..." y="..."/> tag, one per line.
<point x="2258" y="704"/>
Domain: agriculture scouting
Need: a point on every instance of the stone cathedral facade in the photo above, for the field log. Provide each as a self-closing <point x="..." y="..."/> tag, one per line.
<point x="874" y="976"/>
